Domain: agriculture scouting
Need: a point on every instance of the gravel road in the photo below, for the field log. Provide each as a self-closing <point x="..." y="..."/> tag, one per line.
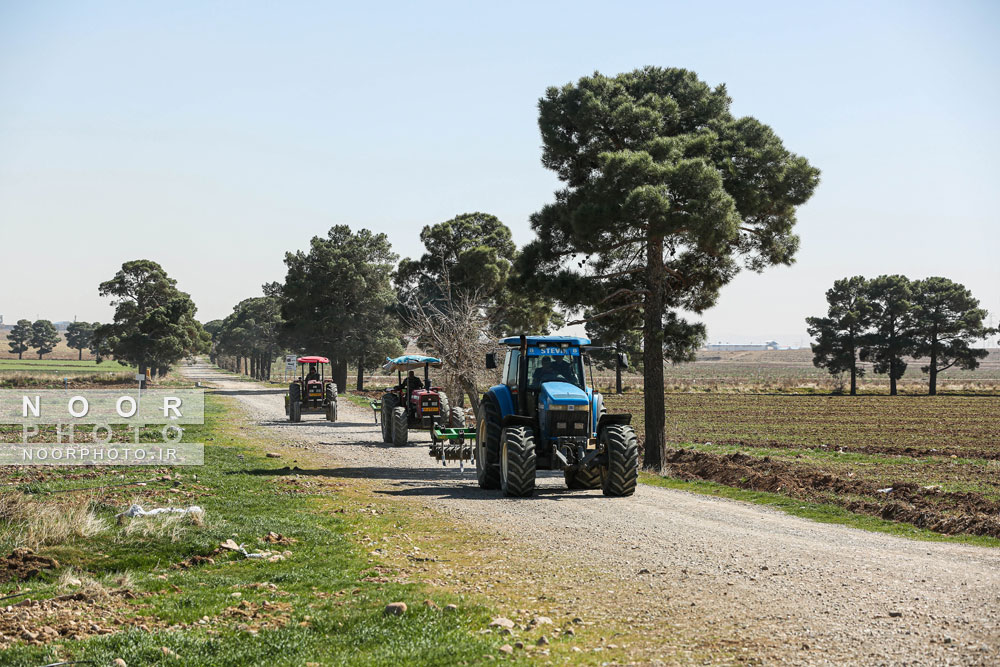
<point x="790" y="589"/>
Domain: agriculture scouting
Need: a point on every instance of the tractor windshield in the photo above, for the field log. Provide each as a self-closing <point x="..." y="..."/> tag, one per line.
<point x="555" y="368"/>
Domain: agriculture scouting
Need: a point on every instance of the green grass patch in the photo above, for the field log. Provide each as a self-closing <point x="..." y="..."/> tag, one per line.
<point x="820" y="512"/>
<point x="330" y="603"/>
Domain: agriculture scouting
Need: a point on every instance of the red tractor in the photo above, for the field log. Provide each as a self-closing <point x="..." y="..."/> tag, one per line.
<point x="415" y="403"/>
<point x="312" y="392"/>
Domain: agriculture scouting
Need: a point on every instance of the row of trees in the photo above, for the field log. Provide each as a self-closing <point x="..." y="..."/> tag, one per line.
<point x="350" y="298"/>
<point x="886" y="319"/>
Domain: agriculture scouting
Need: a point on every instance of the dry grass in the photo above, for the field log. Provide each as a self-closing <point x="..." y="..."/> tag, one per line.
<point x="36" y="523"/>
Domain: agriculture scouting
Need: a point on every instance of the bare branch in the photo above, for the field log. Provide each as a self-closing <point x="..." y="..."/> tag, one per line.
<point x="637" y="304"/>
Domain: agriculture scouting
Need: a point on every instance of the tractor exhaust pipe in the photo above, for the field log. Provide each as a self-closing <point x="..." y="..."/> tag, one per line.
<point x="522" y="378"/>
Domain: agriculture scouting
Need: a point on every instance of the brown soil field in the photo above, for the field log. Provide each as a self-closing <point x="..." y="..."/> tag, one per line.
<point x="930" y="461"/>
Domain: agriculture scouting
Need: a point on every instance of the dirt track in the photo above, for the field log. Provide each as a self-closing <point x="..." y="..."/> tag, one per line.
<point x="784" y="588"/>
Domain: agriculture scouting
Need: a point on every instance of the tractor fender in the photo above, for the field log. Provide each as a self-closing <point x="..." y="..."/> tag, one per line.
<point x="517" y="420"/>
<point x="503" y="397"/>
<point x="625" y="419"/>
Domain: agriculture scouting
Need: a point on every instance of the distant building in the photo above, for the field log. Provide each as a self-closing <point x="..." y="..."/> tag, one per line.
<point x="742" y="347"/>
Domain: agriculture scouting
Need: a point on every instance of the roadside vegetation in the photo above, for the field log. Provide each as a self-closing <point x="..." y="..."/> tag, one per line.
<point x="153" y="590"/>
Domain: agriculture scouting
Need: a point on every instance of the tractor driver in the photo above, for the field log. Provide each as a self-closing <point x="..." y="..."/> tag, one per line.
<point x="544" y="373"/>
<point x="411" y="383"/>
<point x="313" y="375"/>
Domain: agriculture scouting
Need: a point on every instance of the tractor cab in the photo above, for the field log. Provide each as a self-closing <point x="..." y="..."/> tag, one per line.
<point x="313" y="391"/>
<point x="544" y="416"/>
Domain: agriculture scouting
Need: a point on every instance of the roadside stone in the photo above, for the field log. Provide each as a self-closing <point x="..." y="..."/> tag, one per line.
<point x="569" y="632"/>
<point x="230" y="545"/>
<point x="451" y="607"/>
<point x="541" y="620"/>
<point x="120" y="663"/>
<point x="395" y="609"/>
<point x="273" y="455"/>
<point x="507" y="648"/>
<point x="167" y="653"/>
<point x="502" y="622"/>
<point x="895" y="613"/>
<point x="431" y="605"/>
<point x="542" y="641"/>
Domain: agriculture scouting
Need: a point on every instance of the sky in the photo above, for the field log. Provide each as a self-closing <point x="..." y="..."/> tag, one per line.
<point x="212" y="137"/>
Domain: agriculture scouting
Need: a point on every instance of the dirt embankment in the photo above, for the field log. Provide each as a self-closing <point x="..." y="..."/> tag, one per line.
<point x="927" y="507"/>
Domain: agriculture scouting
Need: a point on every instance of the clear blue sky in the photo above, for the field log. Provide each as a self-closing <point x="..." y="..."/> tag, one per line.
<point x="213" y="137"/>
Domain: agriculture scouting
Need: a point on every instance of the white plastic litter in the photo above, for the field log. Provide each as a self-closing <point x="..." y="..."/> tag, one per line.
<point x="136" y="510"/>
<point x="885" y="490"/>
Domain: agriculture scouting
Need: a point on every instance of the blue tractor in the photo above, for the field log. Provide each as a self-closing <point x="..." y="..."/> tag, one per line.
<point x="545" y="417"/>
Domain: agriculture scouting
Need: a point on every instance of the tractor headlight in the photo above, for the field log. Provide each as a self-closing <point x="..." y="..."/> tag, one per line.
<point x="560" y="425"/>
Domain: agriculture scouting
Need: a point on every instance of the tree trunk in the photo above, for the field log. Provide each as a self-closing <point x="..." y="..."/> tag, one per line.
<point x="80" y="355"/>
<point x="932" y="381"/>
<point x="892" y="377"/>
<point x="854" y="379"/>
<point x="361" y="374"/>
<point x="652" y="356"/>
<point x="618" y="374"/>
<point x="340" y="375"/>
<point x="472" y="391"/>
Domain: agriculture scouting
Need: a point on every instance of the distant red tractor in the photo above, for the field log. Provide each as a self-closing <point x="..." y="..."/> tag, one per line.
<point x="415" y="403"/>
<point x="312" y="392"/>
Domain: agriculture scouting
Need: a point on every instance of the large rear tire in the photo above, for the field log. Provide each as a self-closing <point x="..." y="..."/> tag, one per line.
<point x="583" y="478"/>
<point x="620" y="476"/>
<point x="295" y="412"/>
<point x="389" y="402"/>
<point x="517" y="461"/>
<point x="444" y="407"/>
<point x="400" y="427"/>
<point x="294" y="395"/>
<point x="456" y="417"/>
<point x="331" y="402"/>
<point x="488" y="445"/>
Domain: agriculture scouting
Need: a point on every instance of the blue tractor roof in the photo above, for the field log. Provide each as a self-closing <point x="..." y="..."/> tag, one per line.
<point x="545" y="340"/>
<point x="410" y="362"/>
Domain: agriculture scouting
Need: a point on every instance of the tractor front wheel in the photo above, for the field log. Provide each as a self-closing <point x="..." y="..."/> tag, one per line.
<point x="488" y="445"/>
<point x="517" y="461"/>
<point x="621" y="474"/>
<point x="389" y="403"/>
<point x="295" y="412"/>
<point x="400" y="427"/>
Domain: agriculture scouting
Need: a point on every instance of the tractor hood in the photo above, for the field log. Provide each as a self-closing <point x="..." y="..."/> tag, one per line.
<point x="562" y="393"/>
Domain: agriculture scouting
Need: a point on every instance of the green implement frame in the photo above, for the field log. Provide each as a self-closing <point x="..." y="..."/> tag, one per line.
<point x="376" y="408"/>
<point x="453" y="444"/>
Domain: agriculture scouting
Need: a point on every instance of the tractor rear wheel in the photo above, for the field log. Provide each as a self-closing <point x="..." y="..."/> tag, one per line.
<point x="444" y="408"/>
<point x="488" y="445"/>
<point x="620" y="476"/>
<point x="583" y="478"/>
<point x="517" y="461"/>
<point x="389" y="402"/>
<point x="295" y="412"/>
<point x="331" y="402"/>
<point x="294" y="394"/>
<point x="456" y="417"/>
<point x="400" y="427"/>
